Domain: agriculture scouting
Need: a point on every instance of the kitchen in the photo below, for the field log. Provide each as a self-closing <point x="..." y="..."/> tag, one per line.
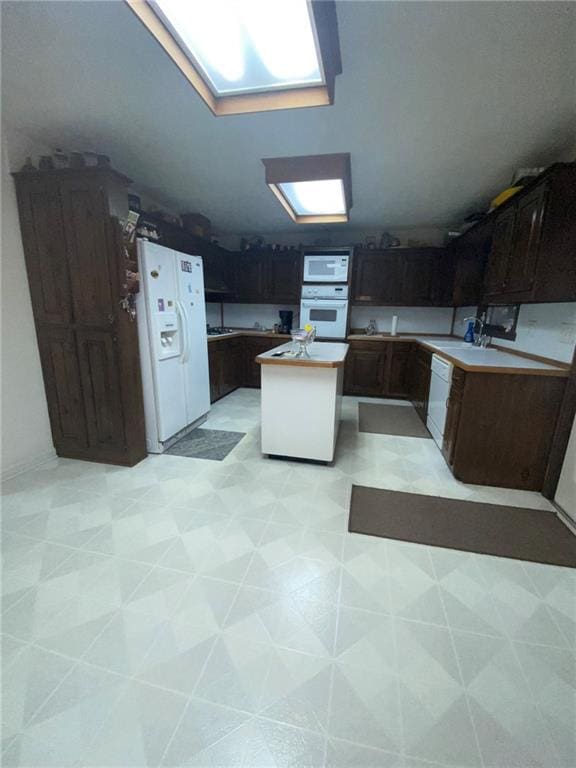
<point x="278" y="464"/>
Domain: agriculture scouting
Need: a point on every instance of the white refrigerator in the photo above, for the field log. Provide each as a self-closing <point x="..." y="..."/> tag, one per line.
<point x="171" y="317"/>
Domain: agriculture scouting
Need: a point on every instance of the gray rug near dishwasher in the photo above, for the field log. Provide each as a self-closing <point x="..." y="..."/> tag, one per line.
<point x="214" y="444"/>
<point x="488" y="529"/>
<point x="398" y="420"/>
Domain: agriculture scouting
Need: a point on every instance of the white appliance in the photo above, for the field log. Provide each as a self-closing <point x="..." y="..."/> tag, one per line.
<point x="440" y="383"/>
<point x="326" y="308"/>
<point x="173" y="348"/>
<point x="326" y="265"/>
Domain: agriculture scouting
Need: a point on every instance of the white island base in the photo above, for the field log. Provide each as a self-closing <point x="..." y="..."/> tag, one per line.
<point x="302" y="402"/>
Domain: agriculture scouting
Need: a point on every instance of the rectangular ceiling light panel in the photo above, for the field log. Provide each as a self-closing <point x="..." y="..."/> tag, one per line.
<point x="244" y="46"/>
<point x="250" y="55"/>
<point x="313" y="189"/>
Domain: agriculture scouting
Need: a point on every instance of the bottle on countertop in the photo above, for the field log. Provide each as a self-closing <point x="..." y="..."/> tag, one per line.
<point x="469" y="335"/>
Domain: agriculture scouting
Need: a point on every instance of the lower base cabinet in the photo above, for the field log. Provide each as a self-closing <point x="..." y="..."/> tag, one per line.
<point x="378" y="368"/>
<point x="418" y="375"/>
<point x="499" y="428"/>
<point x="231" y="363"/>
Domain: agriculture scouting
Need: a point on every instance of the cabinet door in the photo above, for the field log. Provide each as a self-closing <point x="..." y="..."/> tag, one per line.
<point x="91" y="256"/>
<point x="251" y="277"/>
<point x="419" y="278"/>
<point x="45" y="250"/>
<point x="232" y="365"/>
<point x="470" y="253"/>
<point x="455" y="399"/>
<point x="61" y="372"/>
<point x="365" y="369"/>
<point x="396" y="379"/>
<point x="256" y="346"/>
<point x="215" y="370"/>
<point x="524" y="250"/>
<point x="376" y="277"/>
<point x="500" y="253"/>
<point x="284" y="277"/>
<point x="99" y="369"/>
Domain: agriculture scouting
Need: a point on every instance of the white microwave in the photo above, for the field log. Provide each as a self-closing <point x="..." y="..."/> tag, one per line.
<point x="326" y="265"/>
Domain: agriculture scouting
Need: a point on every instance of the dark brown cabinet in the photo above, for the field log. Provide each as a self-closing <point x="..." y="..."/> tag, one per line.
<point x="534" y="241"/>
<point x="418" y="379"/>
<point x="376" y="277"/>
<point x="378" y="368"/>
<point x="365" y="368"/>
<point x="488" y="440"/>
<point x="232" y="362"/>
<point x="470" y="254"/>
<point x="226" y="366"/>
<point x="254" y="346"/>
<point x="285" y="277"/>
<point x="402" y="277"/>
<point x="88" y="346"/>
<point x="268" y="277"/>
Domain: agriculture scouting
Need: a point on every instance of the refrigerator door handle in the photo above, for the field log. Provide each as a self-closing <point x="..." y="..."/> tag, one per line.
<point x="185" y="331"/>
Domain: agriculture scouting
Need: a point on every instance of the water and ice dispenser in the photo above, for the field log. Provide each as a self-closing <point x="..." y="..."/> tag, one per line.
<point x="168" y="335"/>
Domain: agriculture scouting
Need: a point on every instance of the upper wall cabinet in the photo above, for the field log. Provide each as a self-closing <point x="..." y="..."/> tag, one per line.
<point x="532" y="258"/>
<point x="402" y="277"/>
<point x="268" y="277"/>
<point x="470" y="254"/>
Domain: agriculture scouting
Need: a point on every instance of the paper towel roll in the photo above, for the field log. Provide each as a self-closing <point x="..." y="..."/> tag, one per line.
<point x="394" y="330"/>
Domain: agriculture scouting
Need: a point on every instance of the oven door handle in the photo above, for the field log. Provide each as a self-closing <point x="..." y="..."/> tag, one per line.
<point x="323" y="304"/>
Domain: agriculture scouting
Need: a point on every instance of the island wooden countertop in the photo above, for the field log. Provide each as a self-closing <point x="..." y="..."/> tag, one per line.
<point x="323" y="354"/>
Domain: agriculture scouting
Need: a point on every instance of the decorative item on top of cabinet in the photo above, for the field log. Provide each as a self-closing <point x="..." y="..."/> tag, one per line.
<point x="88" y="347"/>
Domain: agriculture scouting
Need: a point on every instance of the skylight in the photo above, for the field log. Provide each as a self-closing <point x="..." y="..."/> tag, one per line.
<point x="250" y="55"/>
<point x="312" y="189"/>
<point x="246" y="46"/>
<point x="315" y="198"/>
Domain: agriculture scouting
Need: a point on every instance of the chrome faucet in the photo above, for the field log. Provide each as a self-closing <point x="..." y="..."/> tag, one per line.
<point x="482" y="339"/>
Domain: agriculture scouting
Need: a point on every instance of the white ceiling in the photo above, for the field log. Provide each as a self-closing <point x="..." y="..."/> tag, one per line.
<point x="438" y="104"/>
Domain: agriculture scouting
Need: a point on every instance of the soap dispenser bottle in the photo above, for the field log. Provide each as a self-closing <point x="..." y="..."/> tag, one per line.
<point x="469" y="335"/>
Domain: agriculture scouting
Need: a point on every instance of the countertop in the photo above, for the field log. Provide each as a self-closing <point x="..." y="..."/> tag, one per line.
<point x="323" y="354"/>
<point x="474" y="359"/>
<point x="249" y="332"/>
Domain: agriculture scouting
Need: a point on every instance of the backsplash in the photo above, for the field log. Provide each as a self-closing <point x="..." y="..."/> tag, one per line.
<point x="245" y="315"/>
<point x="410" y="319"/>
<point x="548" y="330"/>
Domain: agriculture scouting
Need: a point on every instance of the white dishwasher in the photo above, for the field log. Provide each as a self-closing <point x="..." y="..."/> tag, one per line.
<point x="440" y="383"/>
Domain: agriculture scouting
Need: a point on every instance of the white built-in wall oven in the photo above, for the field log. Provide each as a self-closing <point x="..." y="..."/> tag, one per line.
<point x="326" y="265"/>
<point x="326" y="308"/>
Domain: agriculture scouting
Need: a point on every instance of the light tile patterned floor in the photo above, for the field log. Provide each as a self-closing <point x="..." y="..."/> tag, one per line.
<point x="193" y="613"/>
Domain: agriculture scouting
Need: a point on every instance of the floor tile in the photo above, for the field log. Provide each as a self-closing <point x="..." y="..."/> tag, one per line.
<point x="137" y="730"/>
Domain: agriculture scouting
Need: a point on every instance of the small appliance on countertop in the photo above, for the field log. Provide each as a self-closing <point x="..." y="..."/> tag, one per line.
<point x="286" y="320"/>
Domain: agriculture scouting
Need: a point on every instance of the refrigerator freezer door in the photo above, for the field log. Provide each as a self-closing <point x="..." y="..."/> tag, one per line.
<point x="166" y="339"/>
<point x="190" y="279"/>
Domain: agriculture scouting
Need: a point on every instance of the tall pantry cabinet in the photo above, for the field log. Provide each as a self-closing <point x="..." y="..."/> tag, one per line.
<point x="88" y="344"/>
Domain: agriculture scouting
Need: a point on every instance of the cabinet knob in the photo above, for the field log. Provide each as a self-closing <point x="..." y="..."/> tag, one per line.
<point x="110" y="318"/>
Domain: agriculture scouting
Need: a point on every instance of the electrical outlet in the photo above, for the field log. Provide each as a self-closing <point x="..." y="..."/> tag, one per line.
<point x="568" y="333"/>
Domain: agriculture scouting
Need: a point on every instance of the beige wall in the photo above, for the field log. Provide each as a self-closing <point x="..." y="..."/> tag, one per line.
<point x="26" y="437"/>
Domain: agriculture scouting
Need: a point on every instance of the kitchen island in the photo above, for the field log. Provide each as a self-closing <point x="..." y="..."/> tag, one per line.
<point x="301" y="400"/>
